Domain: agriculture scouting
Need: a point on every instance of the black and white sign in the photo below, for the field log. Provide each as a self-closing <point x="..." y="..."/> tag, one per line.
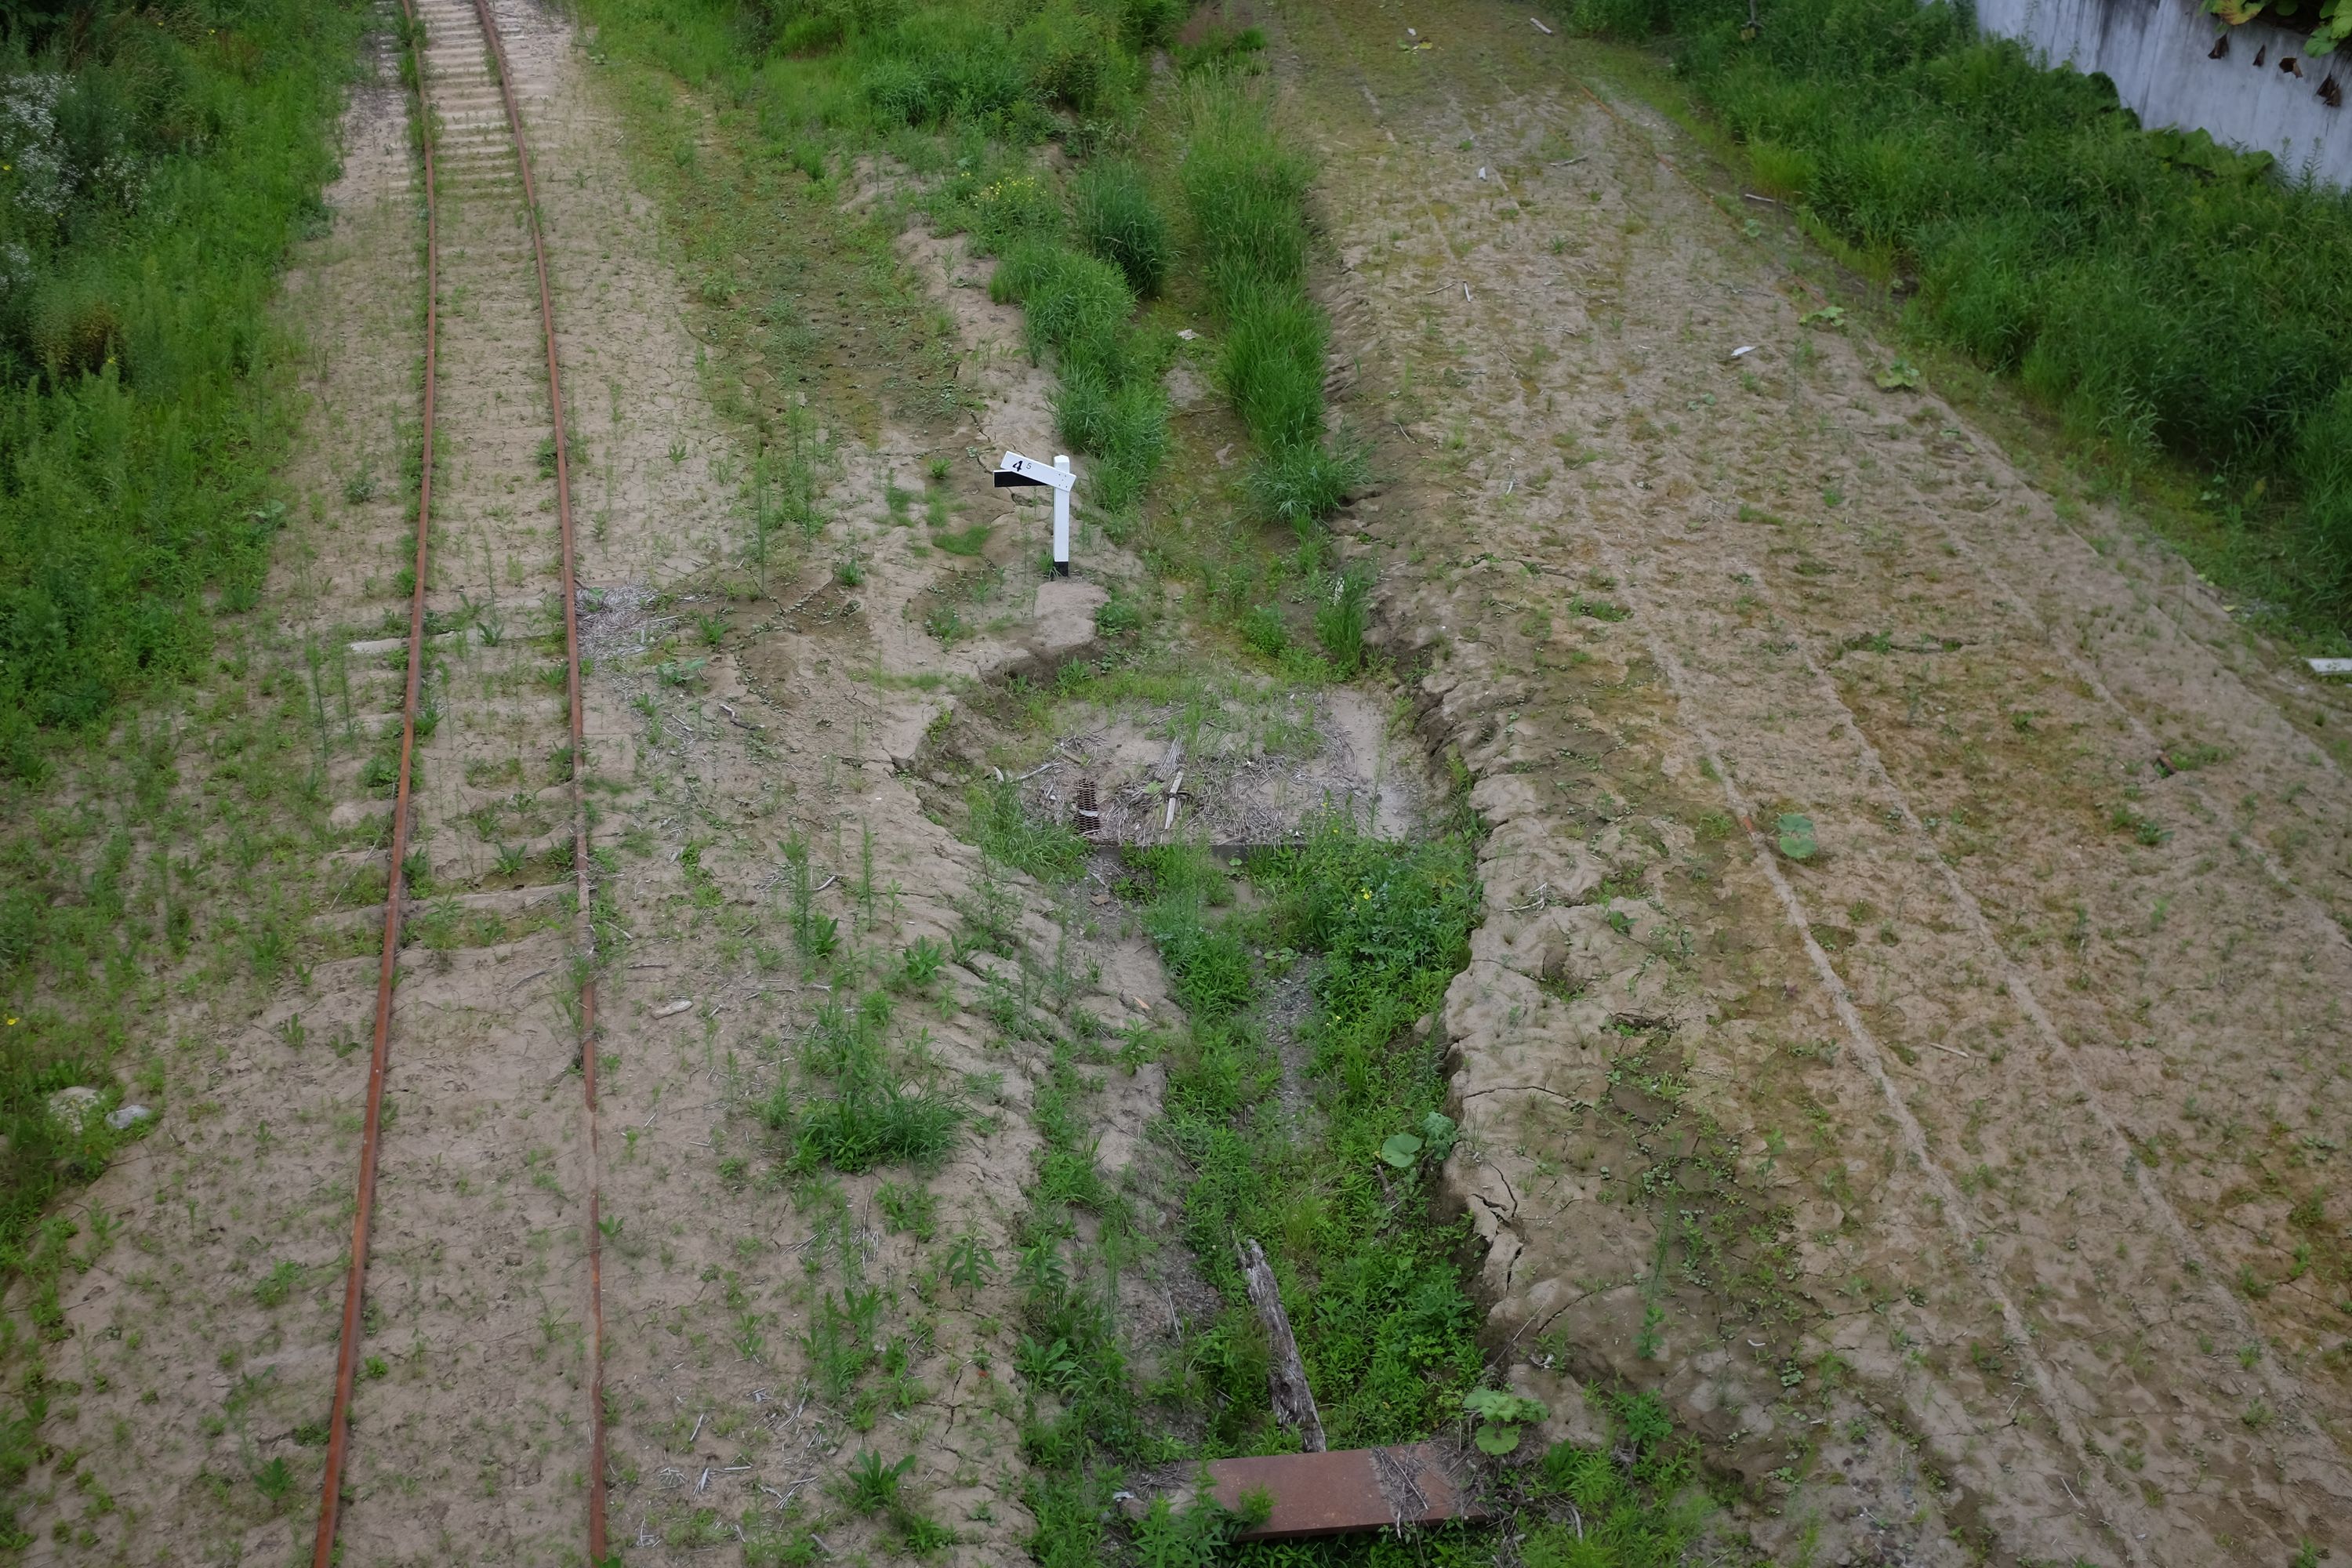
<point x="1017" y="471"/>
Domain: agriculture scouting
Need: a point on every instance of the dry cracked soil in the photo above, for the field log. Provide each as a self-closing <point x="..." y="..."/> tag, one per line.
<point x="1958" y="1162"/>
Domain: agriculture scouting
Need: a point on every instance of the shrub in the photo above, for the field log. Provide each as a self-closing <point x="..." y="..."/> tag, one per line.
<point x="1116" y="219"/>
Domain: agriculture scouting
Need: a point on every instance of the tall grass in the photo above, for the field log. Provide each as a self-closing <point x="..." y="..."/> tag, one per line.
<point x="155" y="167"/>
<point x="2162" y="296"/>
<point x="1117" y="219"/>
<point x="1245" y="191"/>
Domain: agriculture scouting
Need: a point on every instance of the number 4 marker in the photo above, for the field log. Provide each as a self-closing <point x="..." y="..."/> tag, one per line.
<point x="1017" y="471"/>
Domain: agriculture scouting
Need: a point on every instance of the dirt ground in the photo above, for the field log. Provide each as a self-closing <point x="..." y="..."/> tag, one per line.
<point x="1967" y="1180"/>
<point x="2022" y="1235"/>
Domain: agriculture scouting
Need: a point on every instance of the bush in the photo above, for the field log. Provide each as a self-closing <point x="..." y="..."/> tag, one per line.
<point x="1116" y="219"/>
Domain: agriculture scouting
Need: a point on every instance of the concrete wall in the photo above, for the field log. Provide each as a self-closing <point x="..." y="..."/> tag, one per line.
<point x="2154" y="51"/>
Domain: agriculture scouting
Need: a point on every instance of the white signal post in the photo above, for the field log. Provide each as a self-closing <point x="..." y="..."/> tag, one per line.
<point x="1016" y="471"/>
<point x="1062" y="518"/>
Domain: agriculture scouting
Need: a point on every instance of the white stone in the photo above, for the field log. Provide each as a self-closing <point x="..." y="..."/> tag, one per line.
<point x="71" y="1109"/>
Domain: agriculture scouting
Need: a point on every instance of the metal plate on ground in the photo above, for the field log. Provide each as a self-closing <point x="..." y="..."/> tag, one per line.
<point x="1355" y="1488"/>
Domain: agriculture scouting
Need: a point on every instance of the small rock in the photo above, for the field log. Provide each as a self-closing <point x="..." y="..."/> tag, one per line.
<point x="1423" y="1024"/>
<point x="672" y="1009"/>
<point x="72" y="1107"/>
<point x="127" y="1116"/>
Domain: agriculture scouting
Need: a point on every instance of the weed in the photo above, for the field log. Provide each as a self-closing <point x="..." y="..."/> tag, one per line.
<point x="1006" y="831"/>
<point x="918" y="965"/>
<point x="1339" y="625"/>
<point x="1387" y="1327"/>
<point x="909" y="1209"/>
<point x="872" y="1116"/>
<point x="870" y="1486"/>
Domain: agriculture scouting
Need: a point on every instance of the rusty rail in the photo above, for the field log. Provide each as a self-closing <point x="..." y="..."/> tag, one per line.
<point x="584" y="927"/>
<point x="339" y="1431"/>
<point x="347" y="1356"/>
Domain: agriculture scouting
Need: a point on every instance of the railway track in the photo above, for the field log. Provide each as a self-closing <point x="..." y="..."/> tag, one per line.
<point x="489" y="830"/>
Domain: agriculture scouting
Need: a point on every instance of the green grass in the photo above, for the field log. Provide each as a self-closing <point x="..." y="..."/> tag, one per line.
<point x="1008" y="833"/>
<point x="1245" y="191"/>
<point x="1116" y="217"/>
<point x="855" y="1108"/>
<point x="1384" y="1324"/>
<point x="2163" y="295"/>
<point x="153" y="186"/>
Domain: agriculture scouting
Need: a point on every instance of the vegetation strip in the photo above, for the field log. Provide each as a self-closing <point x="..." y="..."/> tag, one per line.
<point x="157" y="164"/>
<point x="347" y="1344"/>
<point x="2049" y="238"/>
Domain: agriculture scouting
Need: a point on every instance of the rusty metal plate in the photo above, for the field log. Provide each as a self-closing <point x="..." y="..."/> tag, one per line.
<point x="1355" y="1488"/>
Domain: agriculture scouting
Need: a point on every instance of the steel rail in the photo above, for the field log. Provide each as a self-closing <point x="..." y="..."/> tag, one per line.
<point x="347" y="1357"/>
<point x="339" y="1429"/>
<point x="584" y="926"/>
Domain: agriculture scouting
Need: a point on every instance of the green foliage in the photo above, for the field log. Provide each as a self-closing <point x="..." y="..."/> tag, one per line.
<point x="1247" y="194"/>
<point x="1193" y="1536"/>
<point x="1340" y="622"/>
<point x="1006" y="831"/>
<point x="1304" y="484"/>
<point x="870" y="1486"/>
<point x="1500" y="1415"/>
<point x="1116" y="218"/>
<point x="1110" y="402"/>
<point x="1794" y="834"/>
<point x="154" y="178"/>
<point x="856" y="1109"/>
<point x="2162" y="294"/>
<point x="1386" y="1329"/>
<point x="1272" y="365"/>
